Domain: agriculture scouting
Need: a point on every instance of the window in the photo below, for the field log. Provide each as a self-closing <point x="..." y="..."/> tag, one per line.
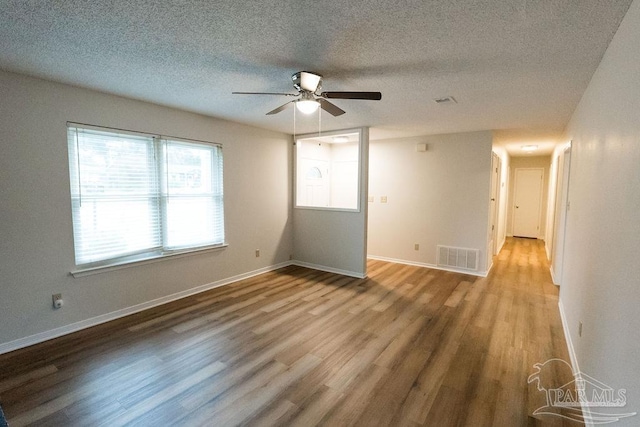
<point x="137" y="196"/>
<point x="328" y="168"/>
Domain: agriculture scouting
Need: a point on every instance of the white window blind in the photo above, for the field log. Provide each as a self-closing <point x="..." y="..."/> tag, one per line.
<point x="192" y="195"/>
<point x="136" y="194"/>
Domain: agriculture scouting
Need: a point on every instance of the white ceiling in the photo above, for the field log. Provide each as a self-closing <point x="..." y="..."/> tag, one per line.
<point x="518" y="67"/>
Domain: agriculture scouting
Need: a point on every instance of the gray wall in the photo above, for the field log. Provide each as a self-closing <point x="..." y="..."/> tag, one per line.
<point x="601" y="279"/>
<point x="437" y="197"/>
<point x="36" y="247"/>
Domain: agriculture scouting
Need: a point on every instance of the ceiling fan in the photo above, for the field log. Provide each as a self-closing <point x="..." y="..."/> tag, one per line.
<point x="310" y="97"/>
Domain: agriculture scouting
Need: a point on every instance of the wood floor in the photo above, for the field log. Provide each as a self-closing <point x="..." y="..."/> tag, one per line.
<point x="407" y="346"/>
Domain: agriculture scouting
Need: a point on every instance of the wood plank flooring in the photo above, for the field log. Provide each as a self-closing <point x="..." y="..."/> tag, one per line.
<point x="407" y="346"/>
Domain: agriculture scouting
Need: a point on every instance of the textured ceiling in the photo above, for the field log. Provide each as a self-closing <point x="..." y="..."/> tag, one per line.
<point x="518" y="67"/>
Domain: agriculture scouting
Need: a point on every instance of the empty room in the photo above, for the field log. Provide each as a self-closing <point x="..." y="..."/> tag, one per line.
<point x="319" y="213"/>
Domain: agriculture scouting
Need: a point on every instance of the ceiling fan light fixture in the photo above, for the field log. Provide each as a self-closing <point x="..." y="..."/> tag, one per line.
<point x="307" y="106"/>
<point x="308" y="86"/>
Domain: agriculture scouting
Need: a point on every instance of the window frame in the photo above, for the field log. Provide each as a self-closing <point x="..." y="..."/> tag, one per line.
<point x="297" y="165"/>
<point x="156" y="253"/>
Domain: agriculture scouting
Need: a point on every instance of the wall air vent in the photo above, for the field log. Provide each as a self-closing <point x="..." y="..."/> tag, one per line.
<point x="458" y="257"/>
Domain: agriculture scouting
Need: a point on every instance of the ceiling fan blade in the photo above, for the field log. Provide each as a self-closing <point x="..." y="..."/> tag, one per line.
<point x="330" y="108"/>
<point x="280" y="108"/>
<point x="372" y="96"/>
<point x="309" y="81"/>
<point x="264" y="93"/>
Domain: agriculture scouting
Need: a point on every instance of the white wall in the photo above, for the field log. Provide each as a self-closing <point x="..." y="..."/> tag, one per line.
<point x="542" y="162"/>
<point x="601" y="279"/>
<point x="437" y="197"/>
<point x="36" y="244"/>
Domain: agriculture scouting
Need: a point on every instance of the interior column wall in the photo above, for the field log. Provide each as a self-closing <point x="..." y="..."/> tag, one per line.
<point x="333" y="239"/>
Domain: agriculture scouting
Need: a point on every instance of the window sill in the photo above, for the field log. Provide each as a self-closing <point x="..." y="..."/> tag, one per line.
<point x="327" y="208"/>
<point x="142" y="260"/>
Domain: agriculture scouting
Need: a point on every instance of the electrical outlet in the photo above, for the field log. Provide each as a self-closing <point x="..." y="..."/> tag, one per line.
<point x="370" y="199"/>
<point x="257" y="253"/>
<point x="383" y="199"/>
<point x="56" y="300"/>
<point x="416" y="247"/>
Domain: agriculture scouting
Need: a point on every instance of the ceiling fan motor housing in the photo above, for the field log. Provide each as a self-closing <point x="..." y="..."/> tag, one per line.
<point x="304" y="81"/>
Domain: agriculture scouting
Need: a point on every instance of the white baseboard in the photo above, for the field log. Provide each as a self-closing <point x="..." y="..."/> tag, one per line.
<point x="435" y="267"/>
<point x="586" y="411"/>
<point x="329" y="269"/>
<point x="547" y="251"/>
<point x="567" y="336"/>
<point x="553" y="279"/>
<point x="84" y="324"/>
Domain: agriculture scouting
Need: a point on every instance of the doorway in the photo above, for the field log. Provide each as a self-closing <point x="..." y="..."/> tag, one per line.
<point x="527" y="202"/>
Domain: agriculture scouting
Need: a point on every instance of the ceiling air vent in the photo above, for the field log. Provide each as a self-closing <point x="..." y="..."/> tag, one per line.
<point x="446" y="100"/>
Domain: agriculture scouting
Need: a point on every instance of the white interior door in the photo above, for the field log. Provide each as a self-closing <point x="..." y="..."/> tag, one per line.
<point x="528" y="202"/>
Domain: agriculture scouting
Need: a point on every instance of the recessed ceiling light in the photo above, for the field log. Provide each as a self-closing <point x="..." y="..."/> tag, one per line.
<point x="340" y="139"/>
<point x="529" y="148"/>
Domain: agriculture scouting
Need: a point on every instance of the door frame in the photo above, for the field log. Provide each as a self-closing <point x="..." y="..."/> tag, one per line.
<point x="561" y="214"/>
<point x="515" y="199"/>
<point x="494" y="212"/>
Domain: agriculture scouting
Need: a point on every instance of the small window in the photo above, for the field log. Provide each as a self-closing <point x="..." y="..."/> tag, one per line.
<point x="137" y="196"/>
<point x="314" y="173"/>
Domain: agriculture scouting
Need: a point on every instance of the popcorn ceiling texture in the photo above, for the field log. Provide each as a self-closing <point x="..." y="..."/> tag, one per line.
<point x="520" y="65"/>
